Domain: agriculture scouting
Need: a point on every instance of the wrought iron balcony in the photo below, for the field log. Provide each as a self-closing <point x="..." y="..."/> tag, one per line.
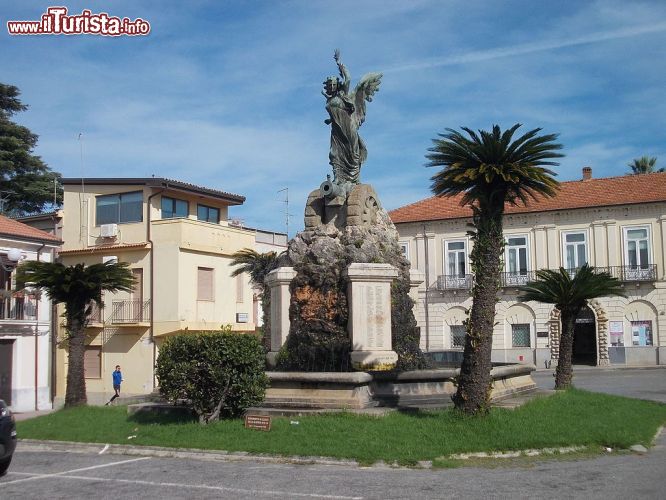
<point x="96" y="315"/>
<point x="130" y="311"/>
<point x="519" y="278"/>
<point x="627" y="273"/>
<point x="20" y="307"/>
<point x="455" y="282"/>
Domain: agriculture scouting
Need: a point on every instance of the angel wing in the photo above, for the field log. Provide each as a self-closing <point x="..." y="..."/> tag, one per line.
<point x="364" y="91"/>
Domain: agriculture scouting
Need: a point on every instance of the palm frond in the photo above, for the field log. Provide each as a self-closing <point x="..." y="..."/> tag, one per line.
<point x="482" y="165"/>
<point x="256" y="265"/>
<point x="566" y="291"/>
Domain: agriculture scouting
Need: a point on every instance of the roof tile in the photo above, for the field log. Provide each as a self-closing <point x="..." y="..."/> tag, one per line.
<point x="609" y="191"/>
<point x="10" y="227"/>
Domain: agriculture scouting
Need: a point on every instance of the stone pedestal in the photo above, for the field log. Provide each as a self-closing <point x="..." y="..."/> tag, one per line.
<point x="278" y="281"/>
<point x="369" y="325"/>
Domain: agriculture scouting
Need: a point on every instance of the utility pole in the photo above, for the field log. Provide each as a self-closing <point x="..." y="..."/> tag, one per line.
<point x="4" y="198"/>
<point x="286" y="209"/>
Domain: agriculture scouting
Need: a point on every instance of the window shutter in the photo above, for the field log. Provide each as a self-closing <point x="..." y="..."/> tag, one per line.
<point x="239" y="289"/>
<point x="204" y="283"/>
<point x="92" y="362"/>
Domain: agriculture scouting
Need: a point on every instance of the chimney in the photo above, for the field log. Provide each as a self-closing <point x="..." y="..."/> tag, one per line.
<point x="587" y="173"/>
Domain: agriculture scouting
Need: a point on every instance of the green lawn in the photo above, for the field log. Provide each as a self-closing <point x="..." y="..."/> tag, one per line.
<point x="574" y="417"/>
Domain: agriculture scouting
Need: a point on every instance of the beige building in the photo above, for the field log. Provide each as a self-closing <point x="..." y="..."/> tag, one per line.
<point x="178" y="241"/>
<point x="616" y="224"/>
<point x="26" y="339"/>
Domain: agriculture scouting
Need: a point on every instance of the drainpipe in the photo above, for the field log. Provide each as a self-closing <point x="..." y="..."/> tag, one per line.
<point x="427" y="282"/>
<point x="39" y="251"/>
<point x="152" y="280"/>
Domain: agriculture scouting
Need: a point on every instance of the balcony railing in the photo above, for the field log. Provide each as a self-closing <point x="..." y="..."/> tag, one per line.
<point x="96" y="313"/>
<point x="18" y="308"/>
<point x="627" y="273"/>
<point x="518" y="278"/>
<point x="130" y="311"/>
<point x="455" y="282"/>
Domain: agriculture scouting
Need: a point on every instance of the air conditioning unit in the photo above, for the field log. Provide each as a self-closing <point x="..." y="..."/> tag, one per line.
<point x="110" y="258"/>
<point x="109" y="230"/>
<point x="242" y="317"/>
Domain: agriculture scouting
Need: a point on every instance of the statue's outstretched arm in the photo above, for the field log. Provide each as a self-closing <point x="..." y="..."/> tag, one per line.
<point x="346" y="77"/>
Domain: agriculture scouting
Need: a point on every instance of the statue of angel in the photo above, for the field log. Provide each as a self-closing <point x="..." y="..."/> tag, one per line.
<point x="346" y="111"/>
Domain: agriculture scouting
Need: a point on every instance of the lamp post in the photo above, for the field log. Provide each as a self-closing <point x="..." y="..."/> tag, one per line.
<point x="14" y="255"/>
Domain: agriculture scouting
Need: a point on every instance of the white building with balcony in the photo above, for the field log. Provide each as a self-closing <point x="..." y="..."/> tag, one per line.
<point x="616" y="224"/>
<point x="26" y="341"/>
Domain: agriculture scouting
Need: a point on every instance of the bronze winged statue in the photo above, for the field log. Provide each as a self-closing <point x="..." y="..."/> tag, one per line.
<point x="346" y="111"/>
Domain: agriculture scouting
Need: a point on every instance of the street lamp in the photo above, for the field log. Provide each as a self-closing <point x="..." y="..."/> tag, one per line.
<point x="14" y="255"/>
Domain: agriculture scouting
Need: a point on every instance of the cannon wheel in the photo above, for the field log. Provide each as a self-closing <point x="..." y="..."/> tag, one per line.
<point x="362" y="206"/>
<point x="314" y="210"/>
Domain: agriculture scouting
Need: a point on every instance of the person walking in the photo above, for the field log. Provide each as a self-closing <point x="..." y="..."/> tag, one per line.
<point x="117" y="379"/>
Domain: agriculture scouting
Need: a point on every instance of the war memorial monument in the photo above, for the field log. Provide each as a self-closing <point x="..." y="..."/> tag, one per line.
<point x="342" y="328"/>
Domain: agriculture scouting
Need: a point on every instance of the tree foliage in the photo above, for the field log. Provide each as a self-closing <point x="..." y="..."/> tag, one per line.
<point x="77" y="287"/>
<point x="569" y="291"/>
<point x="218" y="373"/>
<point x="25" y="180"/>
<point x="644" y="165"/>
<point x="489" y="169"/>
<point x="257" y="266"/>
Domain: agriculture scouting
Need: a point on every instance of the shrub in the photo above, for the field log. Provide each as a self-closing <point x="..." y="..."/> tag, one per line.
<point x="219" y="374"/>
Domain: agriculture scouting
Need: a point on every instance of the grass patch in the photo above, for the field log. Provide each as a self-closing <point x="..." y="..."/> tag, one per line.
<point x="573" y="417"/>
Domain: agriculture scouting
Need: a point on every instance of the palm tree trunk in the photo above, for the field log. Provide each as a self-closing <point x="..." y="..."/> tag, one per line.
<point x="474" y="382"/>
<point x="564" y="371"/>
<point x="75" y="394"/>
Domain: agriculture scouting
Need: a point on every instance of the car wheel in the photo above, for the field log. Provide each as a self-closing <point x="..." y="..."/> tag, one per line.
<point x="4" y="465"/>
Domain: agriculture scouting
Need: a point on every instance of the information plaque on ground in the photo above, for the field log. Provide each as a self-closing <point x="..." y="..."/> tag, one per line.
<point x="260" y="422"/>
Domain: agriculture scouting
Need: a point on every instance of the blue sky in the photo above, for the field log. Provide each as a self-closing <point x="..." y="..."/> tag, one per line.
<point x="226" y="94"/>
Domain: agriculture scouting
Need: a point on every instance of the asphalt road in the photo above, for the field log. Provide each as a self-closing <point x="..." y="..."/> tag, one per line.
<point x="640" y="383"/>
<point x="51" y="474"/>
<point x="73" y="475"/>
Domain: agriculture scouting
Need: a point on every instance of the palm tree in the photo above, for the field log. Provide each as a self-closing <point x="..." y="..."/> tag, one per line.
<point x="570" y="296"/>
<point x="489" y="170"/>
<point x="257" y="266"/>
<point x="77" y="287"/>
<point x="644" y="165"/>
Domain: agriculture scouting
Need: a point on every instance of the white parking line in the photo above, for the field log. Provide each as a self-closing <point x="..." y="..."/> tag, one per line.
<point x="285" y="494"/>
<point x="57" y="474"/>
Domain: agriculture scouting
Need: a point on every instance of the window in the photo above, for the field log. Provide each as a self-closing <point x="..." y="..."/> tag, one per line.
<point x="516" y="250"/>
<point x="456" y="256"/>
<point x="641" y="333"/>
<point x="575" y="250"/>
<point x="240" y="289"/>
<point x="92" y="362"/>
<point x="118" y="208"/>
<point x="172" y="207"/>
<point x="458" y="336"/>
<point x="404" y="248"/>
<point x="208" y="214"/>
<point x="637" y="247"/>
<point x="205" y="283"/>
<point x="520" y="335"/>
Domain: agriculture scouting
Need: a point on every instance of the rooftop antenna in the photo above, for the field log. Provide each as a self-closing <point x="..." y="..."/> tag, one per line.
<point x="286" y="209"/>
<point x="82" y="194"/>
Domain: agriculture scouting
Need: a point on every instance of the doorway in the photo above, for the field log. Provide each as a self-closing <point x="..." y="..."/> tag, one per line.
<point x="6" y="357"/>
<point x="585" y="339"/>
